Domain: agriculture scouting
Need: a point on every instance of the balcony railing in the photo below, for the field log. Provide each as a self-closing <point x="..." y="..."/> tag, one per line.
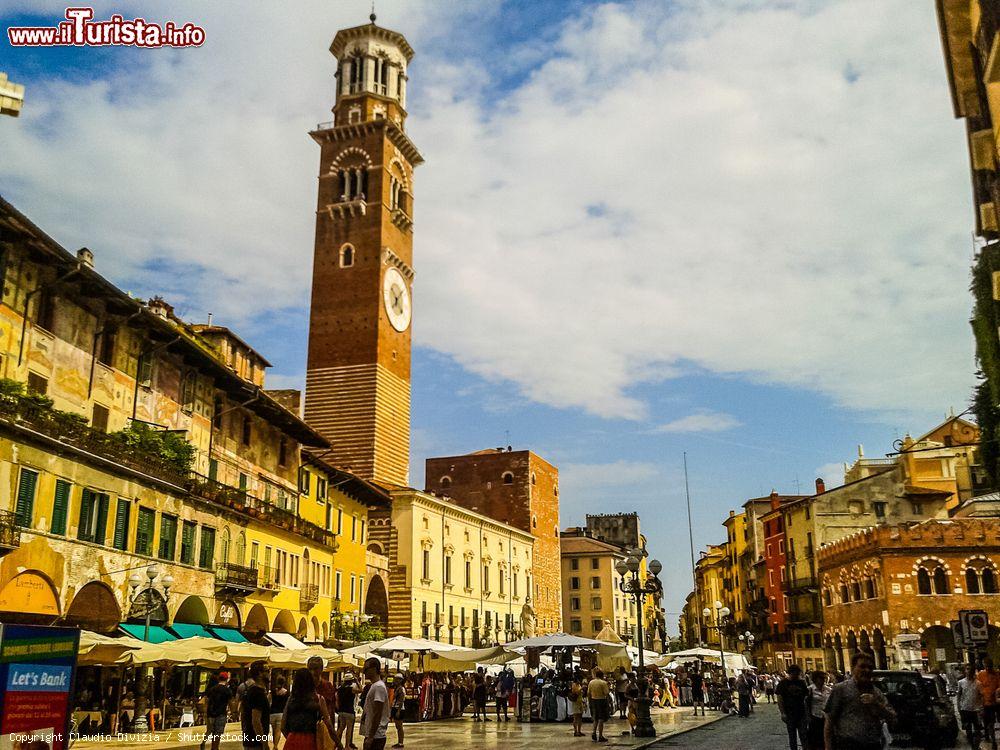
<point x="308" y="596"/>
<point x="10" y="532"/>
<point x="805" y="611"/>
<point x="804" y="582"/>
<point x="268" y="579"/>
<point x="237" y="579"/>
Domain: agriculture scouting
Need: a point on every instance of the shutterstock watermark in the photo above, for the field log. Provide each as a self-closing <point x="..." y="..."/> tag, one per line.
<point x="80" y="30"/>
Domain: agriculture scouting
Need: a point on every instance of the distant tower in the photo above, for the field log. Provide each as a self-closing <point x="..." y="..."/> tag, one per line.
<point x="358" y="370"/>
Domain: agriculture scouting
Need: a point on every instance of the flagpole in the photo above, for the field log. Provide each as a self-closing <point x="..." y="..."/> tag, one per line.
<point x="694" y="572"/>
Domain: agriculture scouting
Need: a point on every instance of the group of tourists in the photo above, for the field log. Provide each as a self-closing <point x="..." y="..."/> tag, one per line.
<point x="309" y="714"/>
<point x="978" y="699"/>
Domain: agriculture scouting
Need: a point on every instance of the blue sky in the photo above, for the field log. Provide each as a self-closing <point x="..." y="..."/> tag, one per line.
<point x="739" y="230"/>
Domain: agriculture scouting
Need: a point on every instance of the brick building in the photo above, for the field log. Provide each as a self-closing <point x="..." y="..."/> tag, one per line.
<point x="892" y="590"/>
<point x="777" y="646"/>
<point x="517" y="488"/>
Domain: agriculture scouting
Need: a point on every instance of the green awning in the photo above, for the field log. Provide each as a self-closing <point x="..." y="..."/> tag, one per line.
<point x="227" y="634"/>
<point x="156" y="633"/>
<point x="190" y="630"/>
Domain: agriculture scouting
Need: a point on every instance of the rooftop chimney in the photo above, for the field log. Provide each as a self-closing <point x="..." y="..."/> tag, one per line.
<point x="85" y="257"/>
<point x="775" y="500"/>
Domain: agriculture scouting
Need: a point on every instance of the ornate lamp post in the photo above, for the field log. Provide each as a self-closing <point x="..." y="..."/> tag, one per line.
<point x="748" y="639"/>
<point x="141" y="725"/>
<point x="639" y="589"/>
<point x="721" y="613"/>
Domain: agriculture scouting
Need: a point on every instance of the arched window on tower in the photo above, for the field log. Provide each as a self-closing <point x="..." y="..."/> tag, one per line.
<point x="980" y="577"/>
<point x="971" y="581"/>
<point x="352" y="181"/>
<point x="941" y="581"/>
<point x="346" y="256"/>
<point x="989" y="581"/>
<point x="357" y="74"/>
<point x="508" y="478"/>
<point x="923" y="582"/>
<point x="446" y="481"/>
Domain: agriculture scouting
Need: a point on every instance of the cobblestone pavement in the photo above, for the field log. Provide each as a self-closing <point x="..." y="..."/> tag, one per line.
<point x="461" y="732"/>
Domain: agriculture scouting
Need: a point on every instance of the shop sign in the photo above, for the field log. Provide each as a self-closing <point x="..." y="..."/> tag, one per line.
<point x="37" y="668"/>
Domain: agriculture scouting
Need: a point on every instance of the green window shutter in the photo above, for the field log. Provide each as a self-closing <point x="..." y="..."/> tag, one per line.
<point x="187" y="542"/>
<point x="144" y="532"/>
<point x="120" y="540"/>
<point x="60" y="506"/>
<point x="26" y="497"/>
<point x="85" y="525"/>
<point x="168" y="537"/>
<point x="213" y="469"/>
<point x="207" y="553"/>
<point x="101" y="525"/>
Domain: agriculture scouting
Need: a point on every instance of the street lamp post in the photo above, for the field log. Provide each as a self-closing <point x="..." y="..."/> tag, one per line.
<point x="141" y="725"/>
<point x="721" y="613"/>
<point x="748" y="639"/>
<point x="639" y="589"/>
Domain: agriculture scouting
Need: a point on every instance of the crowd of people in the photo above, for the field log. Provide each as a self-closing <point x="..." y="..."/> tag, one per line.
<point x="309" y="714"/>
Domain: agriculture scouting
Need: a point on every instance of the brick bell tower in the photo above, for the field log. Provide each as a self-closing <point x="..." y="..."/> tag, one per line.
<point x="358" y="370"/>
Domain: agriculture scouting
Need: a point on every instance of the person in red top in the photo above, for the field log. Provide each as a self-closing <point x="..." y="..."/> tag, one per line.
<point x="988" y="681"/>
<point x="324" y="689"/>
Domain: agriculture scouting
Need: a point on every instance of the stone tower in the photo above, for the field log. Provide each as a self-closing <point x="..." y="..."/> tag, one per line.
<point x="358" y="370"/>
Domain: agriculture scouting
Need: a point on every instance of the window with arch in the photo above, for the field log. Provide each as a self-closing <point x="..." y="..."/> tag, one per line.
<point x="980" y="577"/>
<point x="347" y="256"/>
<point x="845" y="594"/>
<point x="397" y="188"/>
<point x="224" y="547"/>
<point x="352" y="176"/>
<point x="923" y="582"/>
<point x="932" y="579"/>
<point x="533" y="479"/>
<point x="856" y="591"/>
<point x="869" y="588"/>
<point x="357" y="74"/>
<point x="445" y="481"/>
<point x="508" y="477"/>
<point x="827" y="596"/>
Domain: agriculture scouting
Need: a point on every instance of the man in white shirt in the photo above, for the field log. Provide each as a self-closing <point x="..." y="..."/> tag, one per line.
<point x="970" y="705"/>
<point x="375" y="715"/>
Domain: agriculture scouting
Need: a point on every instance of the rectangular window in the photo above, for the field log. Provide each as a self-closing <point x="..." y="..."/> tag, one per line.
<point x="168" y="537"/>
<point x="916" y="508"/>
<point x="340" y="521"/>
<point x="245" y="482"/>
<point x="145" y="370"/>
<point x="595" y="603"/>
<point x="574" y="563"/>
<point x="187" y="542"/>
<point x="60" y="506"/>
<point x="206" y="552"/>
<point x="213" y="469"/>
<point x="122" y="513"/>
<point x="93" y="516"/>
<point x="37" y="384"/>
<point x="447" y="569"/>
<point x="329" y="517"/>
<point x="501" y="577"/>
<point x="595" y="582"/>
<point x="596" y="625"/>
<point x="426" y="568"/>
<point x="254" y="554"/>
<point x="468" y="574"/>
<point x="337" y="587"/>
<point x="354" y="528"/>
<point x="26" y="486"/>
<point x="782" y="570"/>
<point x="144" y="531"/>
<point x="781" y="546"/>
<point x="321" y="491"/>
<point x="486" y="578"/>
<point x="283" y="452"/>
<point x="354" y="583"/>
<point x="574" y="603"/>
<point x="304" y="480"/>
<point x="575" y="626"/>
<point x="106" y="355"/>
<point x="247" y="429"/>
<point x="99" y="420"/>
<point x="595" y="563"/>
<point x="574" y="583"/>
<point x="362" y="531"/>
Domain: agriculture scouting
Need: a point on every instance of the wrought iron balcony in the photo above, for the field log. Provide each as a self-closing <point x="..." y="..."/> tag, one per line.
<point x="10" y="532"/>
<point x="238" y="580"/>
<point x="268" y="579"/>
<point x="802" y="583"/>
<point x="308" y="596"/>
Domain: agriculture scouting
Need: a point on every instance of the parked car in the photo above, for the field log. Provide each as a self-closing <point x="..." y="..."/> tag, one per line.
<point x="924" y="713"/>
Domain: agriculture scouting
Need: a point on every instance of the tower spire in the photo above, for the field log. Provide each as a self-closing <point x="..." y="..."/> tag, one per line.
<point x="372" y="16"/>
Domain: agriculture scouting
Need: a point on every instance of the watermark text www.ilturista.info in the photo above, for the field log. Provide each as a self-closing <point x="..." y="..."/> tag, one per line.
<point x="80" y="30"/>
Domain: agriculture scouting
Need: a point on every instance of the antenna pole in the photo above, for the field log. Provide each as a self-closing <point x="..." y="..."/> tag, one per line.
<point x="694" y="571"/>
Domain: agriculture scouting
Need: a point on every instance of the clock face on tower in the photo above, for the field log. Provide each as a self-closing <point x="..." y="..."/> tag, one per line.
<point x="396" y="297"/>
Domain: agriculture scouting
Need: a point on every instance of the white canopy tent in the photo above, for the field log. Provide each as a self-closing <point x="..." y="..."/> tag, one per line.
<point x="734" y="662"/>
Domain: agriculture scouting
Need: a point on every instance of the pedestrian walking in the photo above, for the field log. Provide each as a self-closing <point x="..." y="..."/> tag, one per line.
<point x="279" y="698"/>
<point x="304" y="715"/>
<point x="769" y="687"/>
<point x="988" y="680"/>
<point x="598" y="691"/>
<point x="325" y="691"/>
<point x="375" y="714"/>
<point x="698" y="689"/>
<point x="621" y="700"/>
<point x="346" y="709"/>
<point x="255" y="709"/>
<point x="744" y="689"/>
<point x="792" y="694"/>
<point x="217" y="699"/>
<point x="970" y="705"/>
<point x="856" y="710"/>
<point x="576" y="707"/>
<point x="398" y="708"/>
<point x="819" y="693"/>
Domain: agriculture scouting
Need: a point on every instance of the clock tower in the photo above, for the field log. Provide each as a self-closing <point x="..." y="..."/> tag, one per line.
<point x="358" y="370"/>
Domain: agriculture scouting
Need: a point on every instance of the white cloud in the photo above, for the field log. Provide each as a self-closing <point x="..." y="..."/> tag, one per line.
<point x="832" y="474"/>
<point x="670" y="186"/>
<point x="614" y="474"/>
<point x="701" y="421"/>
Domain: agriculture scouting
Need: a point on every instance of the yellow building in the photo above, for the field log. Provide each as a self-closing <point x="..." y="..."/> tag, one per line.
<point x="592" y="597"/>
<point x="144" y="440"/>
<point x="455" y="576"/>
<point x="734" y="583"/>
<point x="710" y="571"/>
